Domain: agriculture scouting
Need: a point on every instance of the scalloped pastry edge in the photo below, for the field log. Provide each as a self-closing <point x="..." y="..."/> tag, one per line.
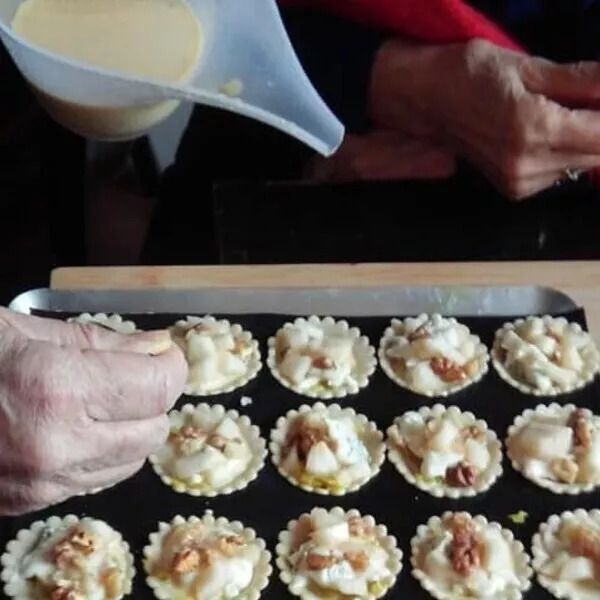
<point x="441" y="490"/>
<point x="540" y="555"/>
<point x="262" y="570"/>
<point x="523" y="569"/>
<point x="388" y="543"/>
<point x="526" y="417"/>
<point x="279" y="432"/>
<point x="21" y="544"/>
<point x="257" y="444"/>
<point x="481" y="350"/>
<point x="325" y="394"/>
<point x="582" y="381"/>
<point x="237" y="331"/>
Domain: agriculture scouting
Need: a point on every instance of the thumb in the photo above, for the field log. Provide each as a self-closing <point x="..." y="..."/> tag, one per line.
<point x="84" y="336"/>
<point x="575" y="84"/>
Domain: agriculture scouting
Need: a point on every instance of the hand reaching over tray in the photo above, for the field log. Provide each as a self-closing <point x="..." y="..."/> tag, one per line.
<point x="80" y="407"/>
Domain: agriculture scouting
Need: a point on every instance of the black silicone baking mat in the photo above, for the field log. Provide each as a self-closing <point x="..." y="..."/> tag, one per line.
<point x="135" y="506"/>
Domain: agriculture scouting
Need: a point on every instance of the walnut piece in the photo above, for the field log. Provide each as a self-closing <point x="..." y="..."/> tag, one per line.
<point x="467" y="547"/>
<point x="447" y="370"/>
<point x="316" y="562"/>
<point x="189" y="431"/>
<point x="472" y="432"/>
<point x="188" y="440"/>
<point x="191" y="559"/>
<point x="584" y="542"/>
<point x="358" y="559"/>
<point x="565" y="469"/>
<point x="461" y="475"/>
<point x="322" y="362"/>
<point x="65" y="593"/>
<point x="217" y="441"/>
<point x="111" y="582"/>
<point x="304" y="435"/>
<point x="420" y="332"/>
<point x="239" y="346"/>
<point x="358" y="528"/>
<point x="398" y="365"/>
<point x="69" y="549"/>
<point x="83" y="542"/>
<point x="228" y="544"/>
<point x="582" y="428"/>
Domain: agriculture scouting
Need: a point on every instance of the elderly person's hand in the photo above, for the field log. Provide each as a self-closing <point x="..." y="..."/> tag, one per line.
<point x="80" y="407"/>
<point x="520" y="120"/>
<point x="383" y="155"/>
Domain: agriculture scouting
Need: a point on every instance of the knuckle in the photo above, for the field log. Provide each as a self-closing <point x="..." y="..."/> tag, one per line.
<point x="530" y="124"/>
<point x="478" y="48"/>
<point x="87" y="332"/>
<point x="585" y="69"/>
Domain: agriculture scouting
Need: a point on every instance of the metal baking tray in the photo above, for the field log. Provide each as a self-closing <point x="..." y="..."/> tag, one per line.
<point x="449" y="300"/>
<point x="134" y="507"/>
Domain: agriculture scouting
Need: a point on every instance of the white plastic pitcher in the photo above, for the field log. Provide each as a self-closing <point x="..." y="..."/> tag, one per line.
<point x="244" y="43"/>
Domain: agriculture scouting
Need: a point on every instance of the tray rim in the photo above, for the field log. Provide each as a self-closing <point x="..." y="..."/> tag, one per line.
<point x="43" y="298"/>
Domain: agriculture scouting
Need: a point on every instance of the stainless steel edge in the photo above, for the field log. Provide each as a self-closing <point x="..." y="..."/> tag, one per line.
<point x="463" y="300"/>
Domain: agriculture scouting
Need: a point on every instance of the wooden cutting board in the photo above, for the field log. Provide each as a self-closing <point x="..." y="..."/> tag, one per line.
<point x="579" y="280"/>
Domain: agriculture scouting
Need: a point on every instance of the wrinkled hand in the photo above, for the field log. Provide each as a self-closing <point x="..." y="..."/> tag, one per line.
<point x="383" y="155"/>
<point x="505" y="112"/>
<point x="80" y="407"/>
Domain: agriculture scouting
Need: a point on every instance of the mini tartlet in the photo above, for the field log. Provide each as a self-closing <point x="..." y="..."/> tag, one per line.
<point x="209" y="451"/>
<point x="336" y="555"/>
<point x="566" y="555"/>
<point x="432" y="355"/>
<point x="221" y="356"/>
<point x="321" y="358"/>
<point x="557" y="447"/>
<point x="206" y="557"/>
<point x="545" y="356"/>
<point x="460" y="556"/>
<point x="444" y="451"/>
<point x="67" y="558"/>
<point x="112" y="322"/>
<point x="327" y="449"/>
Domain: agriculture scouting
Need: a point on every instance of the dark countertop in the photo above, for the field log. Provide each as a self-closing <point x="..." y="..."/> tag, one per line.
<point x="459" y="220"/>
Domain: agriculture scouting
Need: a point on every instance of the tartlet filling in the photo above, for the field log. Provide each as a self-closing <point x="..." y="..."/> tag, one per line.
<point x="432" y="354"/>
<point x="339" y="554"/>
<point x="574" y="553"/>
<point x="467" y="558"/>
<point x="85" y="561"/>
<point x="216" y="357"/>
<point x="441" y="449"/>
<point x="326" y="452"/>
<point x="562" y="447"/>
<point x="206" y="561"/>
<point x="310" y="358"/>
<point x="205" y="457"/>
<point x="547" y="355"/>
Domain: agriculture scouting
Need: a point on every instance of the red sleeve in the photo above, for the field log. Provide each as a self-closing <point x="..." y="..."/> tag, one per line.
<point x="435" y="21"/>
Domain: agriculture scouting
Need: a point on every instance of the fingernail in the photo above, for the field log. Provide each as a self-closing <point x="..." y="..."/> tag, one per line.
<point x="150" y="342"/>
